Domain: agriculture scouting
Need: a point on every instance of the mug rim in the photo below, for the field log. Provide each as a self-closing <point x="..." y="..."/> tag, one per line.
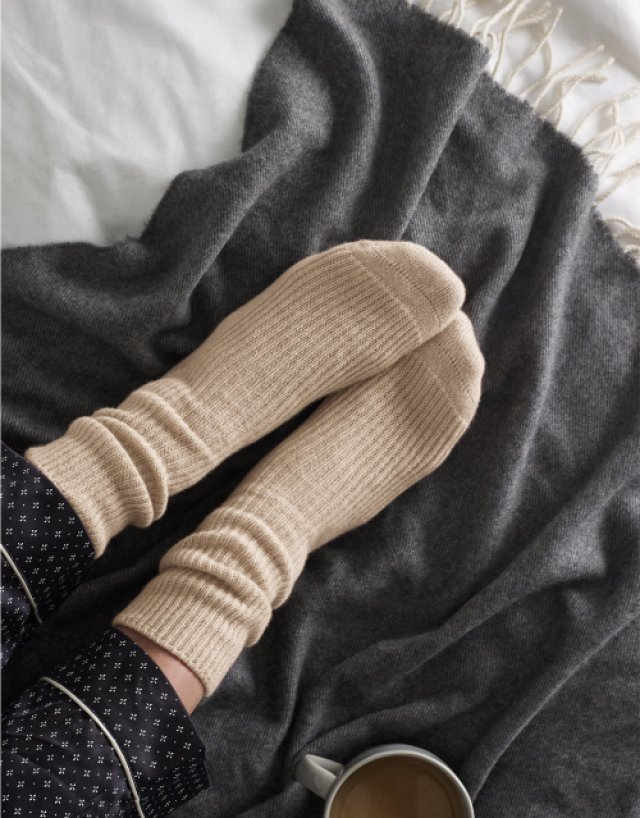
<point x="384" y="751"/>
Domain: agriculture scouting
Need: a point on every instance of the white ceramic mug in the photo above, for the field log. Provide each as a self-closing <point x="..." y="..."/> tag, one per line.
<point x="325" y="777"/>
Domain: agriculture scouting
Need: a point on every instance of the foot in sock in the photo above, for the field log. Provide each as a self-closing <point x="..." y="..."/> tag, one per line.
<point x="359" y="450"/>
<point x="330" y="321"/>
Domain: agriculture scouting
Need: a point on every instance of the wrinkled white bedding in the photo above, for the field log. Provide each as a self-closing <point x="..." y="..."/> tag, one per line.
<point x="103" y="103"/>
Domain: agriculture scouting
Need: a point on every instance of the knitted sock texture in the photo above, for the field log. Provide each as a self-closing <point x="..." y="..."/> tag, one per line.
<point x="331" y="320"/>
<point x="359" y="450"/>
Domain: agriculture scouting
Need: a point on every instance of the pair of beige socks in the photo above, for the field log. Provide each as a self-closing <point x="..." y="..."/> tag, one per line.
<point x="376" y="326"/>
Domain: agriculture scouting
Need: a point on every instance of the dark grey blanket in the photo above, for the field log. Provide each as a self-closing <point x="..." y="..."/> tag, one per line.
<point x="490" y="614"/>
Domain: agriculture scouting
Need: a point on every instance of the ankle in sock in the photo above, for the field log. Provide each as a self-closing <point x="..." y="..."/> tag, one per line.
<point x="358" y="451"/>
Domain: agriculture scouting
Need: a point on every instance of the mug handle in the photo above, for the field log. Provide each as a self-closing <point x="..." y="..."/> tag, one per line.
<point x="317" y="774"/>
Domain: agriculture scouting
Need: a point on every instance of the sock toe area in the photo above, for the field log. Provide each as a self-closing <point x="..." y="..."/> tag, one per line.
<point x="425" y="284"/>
<point x="458" y="364"/>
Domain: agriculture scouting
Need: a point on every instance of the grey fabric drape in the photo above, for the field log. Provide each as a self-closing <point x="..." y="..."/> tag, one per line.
<point x="490" y="614"/>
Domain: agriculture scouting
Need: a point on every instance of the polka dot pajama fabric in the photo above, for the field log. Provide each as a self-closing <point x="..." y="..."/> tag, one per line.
<point x="44" y="552"/>
<point x="103" y="734"/>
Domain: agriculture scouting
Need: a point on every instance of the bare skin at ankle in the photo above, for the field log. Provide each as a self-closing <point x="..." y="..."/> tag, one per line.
<point x="187" y="685"/>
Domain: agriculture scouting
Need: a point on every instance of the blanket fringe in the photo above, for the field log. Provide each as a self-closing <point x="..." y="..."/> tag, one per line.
<point x="624" y="230"/>
<point x="548" y="94"/>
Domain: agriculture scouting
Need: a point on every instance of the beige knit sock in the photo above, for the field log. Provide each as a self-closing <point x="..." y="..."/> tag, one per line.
<point x="358" y="451"/>
<point x="331" y="320"/>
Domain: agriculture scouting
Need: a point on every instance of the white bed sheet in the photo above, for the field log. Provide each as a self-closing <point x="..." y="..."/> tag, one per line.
<point x="103" y="103"/>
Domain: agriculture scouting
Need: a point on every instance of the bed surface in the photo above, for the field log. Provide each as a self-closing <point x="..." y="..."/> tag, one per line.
<point x="105" y="102"/>
<point x="515" y="611"/>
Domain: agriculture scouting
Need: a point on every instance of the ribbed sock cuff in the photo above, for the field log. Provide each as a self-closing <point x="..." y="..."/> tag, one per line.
<point x="106" y="492"/>
<point x="196" y="619"/>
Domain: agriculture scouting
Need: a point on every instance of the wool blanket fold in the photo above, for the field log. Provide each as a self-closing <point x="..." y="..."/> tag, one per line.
<point x="490" y="614"/>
